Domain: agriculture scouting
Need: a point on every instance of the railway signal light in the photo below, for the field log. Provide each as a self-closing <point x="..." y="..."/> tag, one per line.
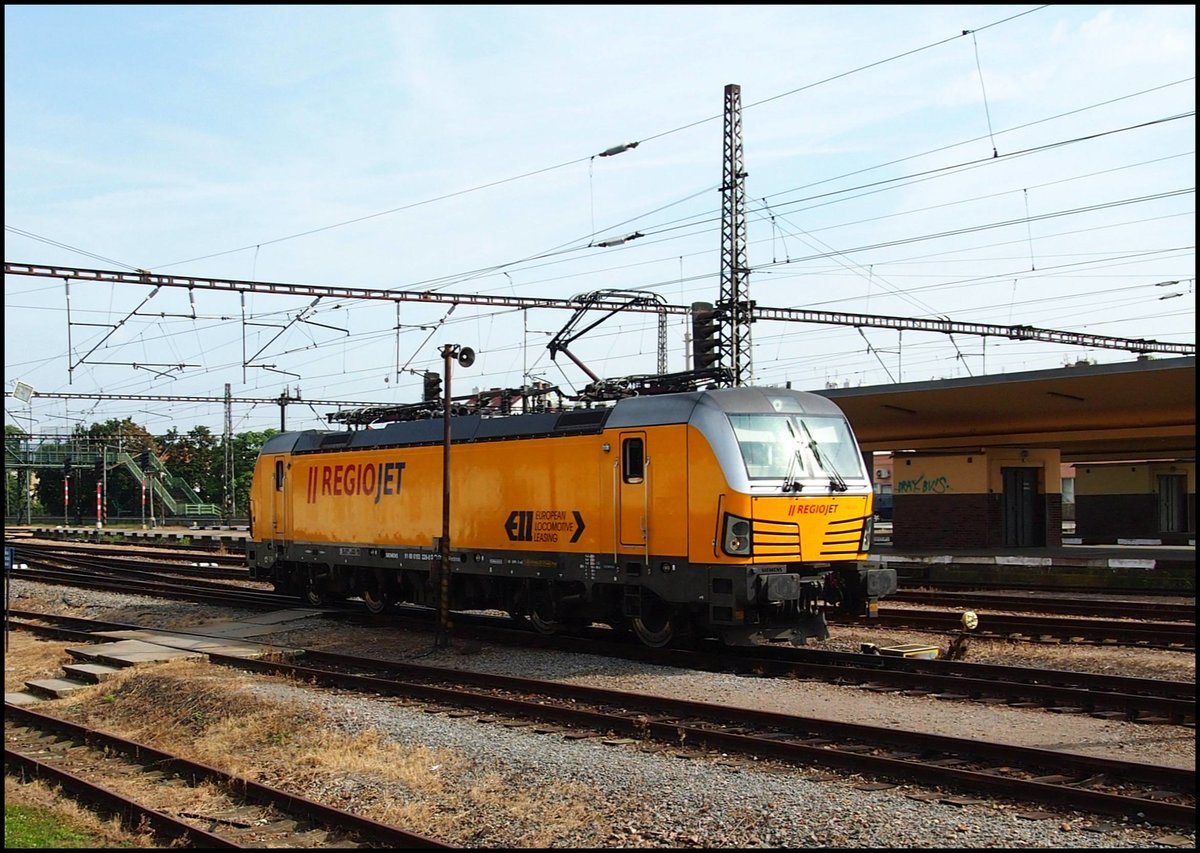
<point x="433" y="386"/>
<point x="706" y="343"/>
<point x="67" y="467"/>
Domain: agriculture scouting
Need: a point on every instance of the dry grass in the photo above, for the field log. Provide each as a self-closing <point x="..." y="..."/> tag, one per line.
<point x="38" y="658"/>
<point x="545" y="814"/>
<point x="199" y="711"/>
<point x="106" y="832"/>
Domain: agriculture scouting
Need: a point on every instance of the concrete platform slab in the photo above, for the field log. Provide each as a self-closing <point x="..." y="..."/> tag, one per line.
<point x="1131" y="564"/>
<point x="277" y="616"/>
<point x="130" y="653"/>
<point x="190" y="645"/>
<point x="1023" y="561"/>
<point x="56" y="687"/>
<point x="246" y="628"/>
<point x="93" y="672"/>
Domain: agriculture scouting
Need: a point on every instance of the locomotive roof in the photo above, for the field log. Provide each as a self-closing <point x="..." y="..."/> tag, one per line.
<point x="652" y="410"/>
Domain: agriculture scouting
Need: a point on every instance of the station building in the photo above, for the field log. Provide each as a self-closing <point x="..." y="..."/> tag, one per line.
<point x="1148" y="500"/>
<point x="1000" y="461"/>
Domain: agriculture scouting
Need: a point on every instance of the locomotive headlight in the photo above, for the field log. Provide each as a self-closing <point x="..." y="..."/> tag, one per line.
<point x="868" y="533"/>
<point x="737" y="536"/>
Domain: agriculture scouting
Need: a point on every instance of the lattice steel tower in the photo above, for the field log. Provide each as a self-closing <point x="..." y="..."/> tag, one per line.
<point x="734" y="308"/>
<point x="230" y="501"/>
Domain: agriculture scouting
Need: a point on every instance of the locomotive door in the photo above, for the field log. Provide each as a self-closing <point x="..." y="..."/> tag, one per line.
<point x="279" y="499"/>
<point x="633" y="491"/>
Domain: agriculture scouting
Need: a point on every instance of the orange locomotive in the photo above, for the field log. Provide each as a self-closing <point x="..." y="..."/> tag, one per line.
<point x="739" y="513"/>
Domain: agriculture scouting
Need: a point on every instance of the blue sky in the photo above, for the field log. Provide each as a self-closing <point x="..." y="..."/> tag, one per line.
<point x="1038" y="169"/>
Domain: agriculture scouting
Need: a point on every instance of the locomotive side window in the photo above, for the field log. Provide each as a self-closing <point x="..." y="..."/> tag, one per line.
<point x="633" y="460"/>
<point x="278" y="475"/>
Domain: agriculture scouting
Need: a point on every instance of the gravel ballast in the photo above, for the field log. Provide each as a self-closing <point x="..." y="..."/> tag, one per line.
<point x="639" y="798"/>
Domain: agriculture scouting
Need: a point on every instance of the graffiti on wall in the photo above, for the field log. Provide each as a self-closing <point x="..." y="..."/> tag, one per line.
<point x="921" y="486"/>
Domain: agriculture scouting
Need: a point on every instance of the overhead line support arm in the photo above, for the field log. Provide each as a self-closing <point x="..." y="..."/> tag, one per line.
<point x="792" y="315"/>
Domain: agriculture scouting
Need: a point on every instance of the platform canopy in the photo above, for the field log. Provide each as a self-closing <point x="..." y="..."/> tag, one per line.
<point x="1143" y="409"/>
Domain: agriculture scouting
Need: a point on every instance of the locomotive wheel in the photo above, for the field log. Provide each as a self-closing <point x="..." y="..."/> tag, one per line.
<point x="537" y="608"/>
<point x="542" y="625"/>
<point x="375" y="599"/>
<point x="656" y="634"/>
<point x="373" y="593"/>
<point x="313" y="593"/>
<point x="656" y="626"/>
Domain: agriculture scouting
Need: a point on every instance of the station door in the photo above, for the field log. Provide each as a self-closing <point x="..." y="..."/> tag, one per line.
<point x="1023" y="527"/>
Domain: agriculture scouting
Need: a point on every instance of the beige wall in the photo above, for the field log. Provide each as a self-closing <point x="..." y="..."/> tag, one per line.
<point x="1130" y="478"/>
<point x="972" y="473"/>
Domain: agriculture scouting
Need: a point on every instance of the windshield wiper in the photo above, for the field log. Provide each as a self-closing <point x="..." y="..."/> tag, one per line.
<point x="836" y="483"/>
<point x="790" y="484"/>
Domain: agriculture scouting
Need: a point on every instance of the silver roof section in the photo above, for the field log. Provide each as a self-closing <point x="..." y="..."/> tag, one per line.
<point x="654" y="410"/>
<point x="705" y="409"/>
<point x="711" y="418"/>
<point x="680" y="408"/>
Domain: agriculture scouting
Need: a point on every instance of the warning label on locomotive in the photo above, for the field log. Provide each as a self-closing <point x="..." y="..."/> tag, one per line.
<point x="371" y="479"/>
<point x="544" y="525"/>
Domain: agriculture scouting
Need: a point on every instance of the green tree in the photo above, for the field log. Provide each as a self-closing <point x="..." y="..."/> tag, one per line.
<point x="17" y="474"/>
<point x="246" y="447"/>
<point x="119" y="440"/>
<point x="198" y="458"/>
<point x="51" y="458"/>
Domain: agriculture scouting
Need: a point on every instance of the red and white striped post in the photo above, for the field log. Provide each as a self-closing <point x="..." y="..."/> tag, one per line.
<point x="99" y="506"/>
<point x="66" y="501"/>
<point x="143" y="504"/>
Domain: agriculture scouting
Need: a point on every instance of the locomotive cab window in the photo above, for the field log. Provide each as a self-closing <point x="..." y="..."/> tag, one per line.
<point x="633" y="460"/>
<point x="278" y="475"/>
<point x="804" y="446"/>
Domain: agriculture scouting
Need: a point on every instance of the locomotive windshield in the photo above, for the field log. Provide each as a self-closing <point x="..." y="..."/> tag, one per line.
<point x="797" y="447"/>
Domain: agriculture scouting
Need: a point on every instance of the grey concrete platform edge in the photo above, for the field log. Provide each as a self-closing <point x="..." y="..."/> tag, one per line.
<point x="174" y="534"/>
<point x="1067" y="556"/>
<point x="141" y="647"/>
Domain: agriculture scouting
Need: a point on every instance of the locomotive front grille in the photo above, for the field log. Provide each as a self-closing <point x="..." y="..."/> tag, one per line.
<point x="842" y="538"/>
<point x="776" y="539"/>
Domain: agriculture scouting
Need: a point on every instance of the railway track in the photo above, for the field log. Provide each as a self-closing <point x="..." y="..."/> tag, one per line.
<point x="101" y="565"/>
<point x="1176" y="636"/>
<point x="1104" y="786"/>
<point x="166" y="553"/>
<point x="213" y="548"/>
<point x="233" y="567"/>
<point x="1149" y="701"/>
<point x="65" y="754"/>
<point x="1171" y="636"/>
<point x="153" y="584"/>
<point x="1107" y="607"/>
<point x="1160" y="795"/>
